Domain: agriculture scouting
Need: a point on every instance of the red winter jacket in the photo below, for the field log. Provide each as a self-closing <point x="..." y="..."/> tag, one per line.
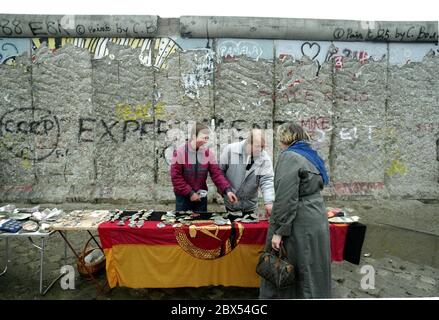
<point x="189" y="171"/>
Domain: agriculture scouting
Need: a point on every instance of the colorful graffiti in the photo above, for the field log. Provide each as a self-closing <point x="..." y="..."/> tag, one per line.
<point x="153" y="52"/>
<point x="139" y="112"/>
<point x="357" y="188"/>
<point x="10" y="48"/>
<point x="326" y="51"/>
<point x="396" y="167"/>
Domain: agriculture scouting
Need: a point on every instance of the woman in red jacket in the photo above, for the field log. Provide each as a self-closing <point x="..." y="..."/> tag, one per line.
<point x="191" y="163"/>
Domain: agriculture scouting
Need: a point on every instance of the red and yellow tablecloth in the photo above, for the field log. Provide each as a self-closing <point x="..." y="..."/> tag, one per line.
<point x="195" y="256"/>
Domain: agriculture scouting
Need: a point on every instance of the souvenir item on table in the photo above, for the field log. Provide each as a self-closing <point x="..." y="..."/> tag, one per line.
<point x="220" y="221"/>
<point x="334" y="212"/>
<point x="10" y="225"/>
<point x="28" y="210"/>
<point x="47" y="214"/>
<point x="337" y="215"/>
<point x="78" y="219"/>
<point x="146" y="214"/>
<point x="133" y="219"/>
<point x="161" y="225"/>
<point x="8" y="208"/>
<point x="45" y="227"/>
<point x="20" y="216"/>
<point x="122" y="221"/>
<point x="248" y="218"/>
<point x="30" y="226"/>
<point x="344" y="219"/>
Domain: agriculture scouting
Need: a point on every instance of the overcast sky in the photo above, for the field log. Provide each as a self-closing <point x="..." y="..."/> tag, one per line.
<point x="330" y="9"/>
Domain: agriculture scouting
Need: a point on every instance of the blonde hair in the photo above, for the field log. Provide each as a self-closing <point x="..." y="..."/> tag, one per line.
<point x="290" y="132"/>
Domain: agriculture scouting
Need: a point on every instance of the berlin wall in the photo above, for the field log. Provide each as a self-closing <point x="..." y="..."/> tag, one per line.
<point x="91" y="109"/>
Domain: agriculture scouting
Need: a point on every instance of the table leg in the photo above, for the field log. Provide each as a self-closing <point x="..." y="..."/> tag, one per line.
<point x="95" y="241"/>
<point x="42" y="249"/>
<point x="65" y="251"/>
<point x="41" y="264"/>
<point x="6" y="256"/>
<point x="98" y="286"/>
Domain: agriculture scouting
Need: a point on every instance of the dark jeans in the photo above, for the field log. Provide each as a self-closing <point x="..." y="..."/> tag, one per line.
<point x="185" y="204"/>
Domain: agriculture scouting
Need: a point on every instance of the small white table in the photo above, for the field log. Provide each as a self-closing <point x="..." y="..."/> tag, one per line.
<point x="42" y="236"/>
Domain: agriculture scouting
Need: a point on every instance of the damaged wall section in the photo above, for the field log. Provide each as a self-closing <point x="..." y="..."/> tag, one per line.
<point x="97" y="119"/>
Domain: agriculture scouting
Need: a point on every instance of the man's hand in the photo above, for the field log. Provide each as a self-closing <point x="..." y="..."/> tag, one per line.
<point x="276" y="241"/>
<point x="232" y="197"/>
<point x="195" y="197"/>
<point x="268" y="208"/>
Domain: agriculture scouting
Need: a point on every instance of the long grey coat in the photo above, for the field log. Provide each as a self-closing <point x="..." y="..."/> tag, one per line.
<point x="299" y="216"/>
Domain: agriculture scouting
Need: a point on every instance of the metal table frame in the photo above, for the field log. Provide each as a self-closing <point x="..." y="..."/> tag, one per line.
<point x="63" y="232"/>
<point x="30" y="235"/>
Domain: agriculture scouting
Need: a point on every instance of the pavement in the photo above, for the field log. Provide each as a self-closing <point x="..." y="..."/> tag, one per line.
<point x="401" y="248"/>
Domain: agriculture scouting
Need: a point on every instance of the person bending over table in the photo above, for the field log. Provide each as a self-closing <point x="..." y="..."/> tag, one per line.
<point x="191" y="163"/>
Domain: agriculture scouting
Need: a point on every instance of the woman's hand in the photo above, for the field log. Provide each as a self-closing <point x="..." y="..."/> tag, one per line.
<point x="276" y="241"/>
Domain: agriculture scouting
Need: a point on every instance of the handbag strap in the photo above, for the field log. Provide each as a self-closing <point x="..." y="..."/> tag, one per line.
<point x="282" y="252"/>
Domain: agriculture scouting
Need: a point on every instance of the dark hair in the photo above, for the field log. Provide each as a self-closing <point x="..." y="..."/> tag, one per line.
<point x="197" y="128"/>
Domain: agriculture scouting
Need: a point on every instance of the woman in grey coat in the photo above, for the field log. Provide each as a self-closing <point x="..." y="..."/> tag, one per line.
<point x="299" y="221"/>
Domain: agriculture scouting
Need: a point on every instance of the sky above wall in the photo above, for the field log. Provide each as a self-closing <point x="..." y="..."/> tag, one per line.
<point x="421" y="10"/>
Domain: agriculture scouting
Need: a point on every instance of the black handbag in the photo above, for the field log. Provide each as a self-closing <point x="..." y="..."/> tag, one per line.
<point x="274" y="267"/>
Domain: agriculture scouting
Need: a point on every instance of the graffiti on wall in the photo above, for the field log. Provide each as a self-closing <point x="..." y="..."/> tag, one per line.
<point x="146" y="111"/>
<point x="337" y="52"/>
<point x="316" y="126"/>
<point x="231" y="49"/>
<point x="21" y="188"/>
<point x="11" y="48"/>
<point x="19" y="129"/>
<point x="72" y="26"/>
<point x="144" y="121"/>
<point x="153" y="52"/>
<point x="201" y="75"/>
<point x="32" y="134"/>
<point x="370" y="32"/>
<point x="114" y="131"/>
<point x="288" y="91"/>
<point x="396" y="167"/>
<point x="355" y="133"/>
<point x="357" y="188"/>
<point x="327" y="51"/>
